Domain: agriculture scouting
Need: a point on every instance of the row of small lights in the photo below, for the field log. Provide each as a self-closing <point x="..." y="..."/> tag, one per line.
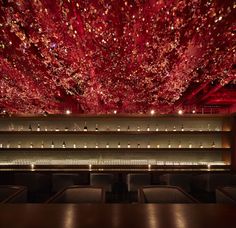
<point x="152" y="112"/>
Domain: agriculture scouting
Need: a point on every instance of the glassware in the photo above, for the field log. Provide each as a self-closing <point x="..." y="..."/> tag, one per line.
<point x="213" y="145"/>
<point x="30" y="127"/>
<point x="85" y="126"/>
<point x="128" y="145"/>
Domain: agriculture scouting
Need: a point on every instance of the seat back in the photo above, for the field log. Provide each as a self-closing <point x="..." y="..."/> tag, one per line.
<point x="13" y="194"/>
<point x="35" y="182"/>
<point x="226" y="195"/>
<point x="103" y="180"/>
<point x="181" y="180"/>
<point x="137" y="180"/>
<point x="63" y="180"/>
<point x="79" y="194"/>
<point x="164" y="194"/>
<point x="209" y="182"/>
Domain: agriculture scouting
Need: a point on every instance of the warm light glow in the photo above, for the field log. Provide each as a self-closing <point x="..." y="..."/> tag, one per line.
<point x="152" y="112"/>
<point x="194" y="111"/>
<point x="180" y="112"/>
<point x="68" y="112"/>
<point x="97" y="56"/>
<point x="114" y="111"/>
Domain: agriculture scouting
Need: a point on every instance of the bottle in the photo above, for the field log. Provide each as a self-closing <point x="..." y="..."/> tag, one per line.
<point x="63" y="144"/>
<point x="128" y="145"/>
<point x="174" y="128"/>
<point x="180" y="146"/>
<point x="31" y="145"/>
<point x="38" y="127"/>
<point x="169" y="145"/>
<point x="138" y="128"/>
<point x="30" y="127"/>
<point x="74" y="145"/>
<point x="8" y="144"/>
<point x="85" y="126"/>
<point x="42" y="144"/>
<point x="52" y="145"/>
<point x="85" y="145"/>
<point x="148" y="145"/>
<point x="66" y="129"/>
<point x="107" y="145"/>
<point x="118" y="128"/>
<point x="1" y="145"/>
<point x="182" y="127"/>
<point x="208" y="127"/>
<point x="46" y="129"/>
<point x="213" y="145"/>
<point x="148" y="128"/>
<point x="201" y="146"/>
<point x="108" y="128"/>
<point x="19" y="145"/>
<point x="138" y="145"/>
<point x="96" y="128"/>
<point x="96" y="146"/>
<point x="118" y="145"/>
<point x="157" y="128"/>
<point x="128" y="128"/>
<point x="158" y="145"/>
<point x="190" y="145"/>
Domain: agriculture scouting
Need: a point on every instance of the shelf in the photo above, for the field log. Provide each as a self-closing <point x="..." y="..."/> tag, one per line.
<point x="116" y="132"/>
<point x="205" y="130"/>
<point x="115" y="149"/>
<point x="117" y="168"/>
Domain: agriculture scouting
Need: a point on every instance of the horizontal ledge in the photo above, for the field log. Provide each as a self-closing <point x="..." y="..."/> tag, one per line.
<point x="115" y="132"/>
<point x="115" y="168"/>
<point x="114" y="149"/>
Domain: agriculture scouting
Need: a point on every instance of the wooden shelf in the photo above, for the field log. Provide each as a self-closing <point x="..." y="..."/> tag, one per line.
<point x="115" y="149"/>
<point x="116" y="132"/>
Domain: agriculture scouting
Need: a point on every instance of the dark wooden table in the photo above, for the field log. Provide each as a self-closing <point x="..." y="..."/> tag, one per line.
<point x="117" y="215"/>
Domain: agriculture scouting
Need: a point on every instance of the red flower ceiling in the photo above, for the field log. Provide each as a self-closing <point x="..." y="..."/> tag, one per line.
<point x="96" y="56"/>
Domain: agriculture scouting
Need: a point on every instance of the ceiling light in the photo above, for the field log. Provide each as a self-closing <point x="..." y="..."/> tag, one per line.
<point x="152" y="112"/>
<point x="180" y="112"/>
<point x="68" y="112"/>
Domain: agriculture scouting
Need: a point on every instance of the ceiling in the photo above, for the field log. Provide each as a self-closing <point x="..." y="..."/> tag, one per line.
<point x="95" y="57"/>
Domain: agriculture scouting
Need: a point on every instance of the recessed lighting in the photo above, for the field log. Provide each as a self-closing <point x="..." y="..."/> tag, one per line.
<point x="180" y="112"/>
<point x="152" y="112"/>
<point x="68" y="112"/>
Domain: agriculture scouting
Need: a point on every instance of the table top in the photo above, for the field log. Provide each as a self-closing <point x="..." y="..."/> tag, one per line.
<point x="117" y="215"/>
